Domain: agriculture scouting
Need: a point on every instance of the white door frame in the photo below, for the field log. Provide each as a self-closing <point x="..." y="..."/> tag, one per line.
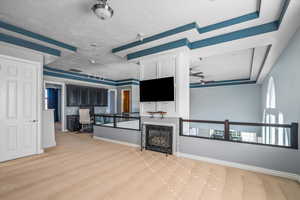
<point x="122" y="90"/>
<point x="116" y="98"/>
<point x="39" y="148"/>
<point x="63" y="98"/>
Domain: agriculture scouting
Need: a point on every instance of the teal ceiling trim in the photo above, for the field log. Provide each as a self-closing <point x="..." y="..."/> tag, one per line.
<point x="188" y="27"/>
<point x="29" y="45"/>
<point x="222" y="83"/>
<point x="123" y="80"/>
<point x="226" y="81"/>
<point x="157" y="37"/>
<point x="160" y="48"/>
<point x="127" y="83"/>
<point x="78" y="78"/>
<point x="230" y="22"/>
<point x="136" y="82"/>
<point x="248" y="32"/>
<point x="264" y="60"/>
<point x="73" y="73"/>
<point x="49" y="71"/>
<point x="284" y="9"/>
<point x="36" y="36"/>
<point x="252" y="62"/>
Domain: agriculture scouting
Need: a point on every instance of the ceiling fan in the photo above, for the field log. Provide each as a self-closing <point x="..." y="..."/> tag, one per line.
<point x="102" y="10"/>
<point x="201" y="76"/>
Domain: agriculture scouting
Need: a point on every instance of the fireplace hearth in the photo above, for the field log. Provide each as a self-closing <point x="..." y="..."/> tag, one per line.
<point x="159" y="138"/>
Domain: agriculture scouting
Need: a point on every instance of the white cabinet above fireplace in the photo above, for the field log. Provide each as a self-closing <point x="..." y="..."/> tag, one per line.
<point x="162" y="67"/>
<point x="149" y="71"/>
<point x="167" y="68"/>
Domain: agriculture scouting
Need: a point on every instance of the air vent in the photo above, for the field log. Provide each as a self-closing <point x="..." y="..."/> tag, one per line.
<point x="75" y="70"/>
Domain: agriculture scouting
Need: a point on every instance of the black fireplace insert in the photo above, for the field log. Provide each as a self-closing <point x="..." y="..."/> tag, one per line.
<point x="159" y="138"/>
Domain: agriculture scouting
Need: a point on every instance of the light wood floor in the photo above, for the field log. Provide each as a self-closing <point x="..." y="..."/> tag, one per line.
<point x="83" y="168"/>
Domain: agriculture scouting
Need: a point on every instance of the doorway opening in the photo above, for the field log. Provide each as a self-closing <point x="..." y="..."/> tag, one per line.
<point x="125" y="101"/>
<point x="53" y="101"/>
<point x="112" y="101"/>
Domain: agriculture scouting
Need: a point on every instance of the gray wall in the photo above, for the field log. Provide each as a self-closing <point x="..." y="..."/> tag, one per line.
<point x="286" y="74"/>
<point x="261" y="156"/>
<point x="134" y="137"/>
<point x="123" y="135"/>
<point x="236" y="103"/>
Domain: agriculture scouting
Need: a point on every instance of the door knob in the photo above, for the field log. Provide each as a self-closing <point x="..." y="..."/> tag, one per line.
<point x="34" y="121"/>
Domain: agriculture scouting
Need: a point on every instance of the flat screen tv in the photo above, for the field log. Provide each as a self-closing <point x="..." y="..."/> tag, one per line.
<point x="157" y="90"/>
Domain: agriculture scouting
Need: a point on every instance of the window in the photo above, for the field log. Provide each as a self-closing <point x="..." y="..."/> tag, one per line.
<point x="281" y="136"/>
<point x="273" y="135"/>
<point x="271" y="97"/>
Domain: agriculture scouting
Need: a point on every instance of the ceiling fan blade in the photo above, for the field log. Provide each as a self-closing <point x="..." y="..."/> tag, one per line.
<point x="196" y="73"/>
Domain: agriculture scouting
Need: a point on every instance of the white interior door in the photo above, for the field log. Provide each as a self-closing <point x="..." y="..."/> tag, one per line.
<point x="18" y="108"/>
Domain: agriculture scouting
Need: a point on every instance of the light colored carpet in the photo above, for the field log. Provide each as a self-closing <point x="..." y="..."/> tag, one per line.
<point x="83" y="168"/>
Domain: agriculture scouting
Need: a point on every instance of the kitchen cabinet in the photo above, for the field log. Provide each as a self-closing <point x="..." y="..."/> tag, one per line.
<point x="86" y="96"/>
<point x="73" y="95"/>
<point x="93" y="96"/>
<point x="104" y="97"/>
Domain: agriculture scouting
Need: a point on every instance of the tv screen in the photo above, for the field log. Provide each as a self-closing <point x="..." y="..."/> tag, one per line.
<point x="157" y="90"/>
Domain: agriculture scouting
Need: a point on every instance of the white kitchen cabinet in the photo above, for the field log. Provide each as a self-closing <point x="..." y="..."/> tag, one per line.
<point x="166" y="68"/>
<point x="149" y="70"/>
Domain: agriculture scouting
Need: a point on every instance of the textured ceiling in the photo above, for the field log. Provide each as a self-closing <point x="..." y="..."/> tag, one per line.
<point x="73" y="22"/>
<point x="232" y="66"/>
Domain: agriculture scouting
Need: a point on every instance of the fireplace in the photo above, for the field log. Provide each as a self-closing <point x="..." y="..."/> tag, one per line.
<point x="159" y="138"/>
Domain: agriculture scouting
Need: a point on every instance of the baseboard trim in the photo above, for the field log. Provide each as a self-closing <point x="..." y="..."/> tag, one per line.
<point x="288" y="175"/>
<point x="41" y="151"/>
<point x="116" y="141"/>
